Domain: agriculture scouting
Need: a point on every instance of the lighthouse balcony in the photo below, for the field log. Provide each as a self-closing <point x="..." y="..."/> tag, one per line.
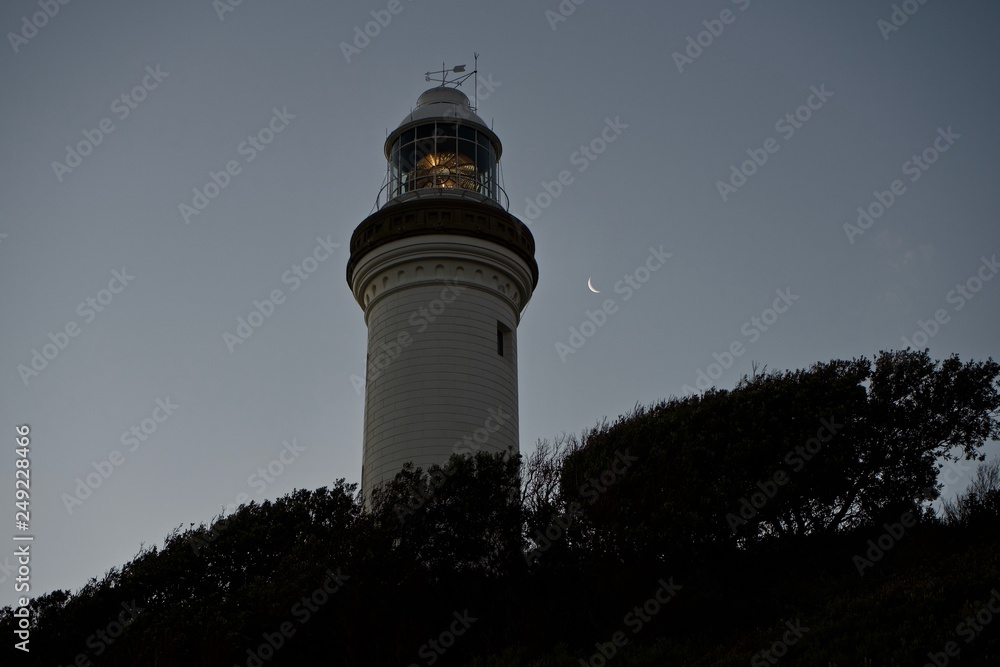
<point x="427" y="190"/>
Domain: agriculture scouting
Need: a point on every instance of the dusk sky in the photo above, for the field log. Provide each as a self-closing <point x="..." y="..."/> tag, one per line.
<point x="740" y="137"/>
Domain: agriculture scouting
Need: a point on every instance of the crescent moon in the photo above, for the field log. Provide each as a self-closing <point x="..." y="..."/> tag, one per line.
<point x="591" y="286"/>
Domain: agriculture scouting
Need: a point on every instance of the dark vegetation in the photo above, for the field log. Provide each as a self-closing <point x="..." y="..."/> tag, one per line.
<point x="792" y="514"/>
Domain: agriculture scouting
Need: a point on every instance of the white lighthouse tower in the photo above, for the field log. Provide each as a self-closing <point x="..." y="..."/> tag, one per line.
<point x="443" y="272"/>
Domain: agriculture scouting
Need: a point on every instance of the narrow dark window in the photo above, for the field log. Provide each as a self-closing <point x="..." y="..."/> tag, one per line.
<point x="503" y="339"/>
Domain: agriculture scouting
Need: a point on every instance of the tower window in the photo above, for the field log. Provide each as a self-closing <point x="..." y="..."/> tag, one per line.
<point x="503" y="340"/>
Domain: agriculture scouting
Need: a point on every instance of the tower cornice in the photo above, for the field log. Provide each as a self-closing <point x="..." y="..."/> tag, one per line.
<point x="443" y="215"/>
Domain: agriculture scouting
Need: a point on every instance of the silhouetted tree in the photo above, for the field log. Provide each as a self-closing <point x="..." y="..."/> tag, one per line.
<point x="979" y="505"/>
<point x="836" y="447"/>
<point x="756" y="499"/>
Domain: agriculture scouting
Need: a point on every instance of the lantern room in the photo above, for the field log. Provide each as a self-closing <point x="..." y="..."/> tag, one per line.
<point x="442" y="148"/>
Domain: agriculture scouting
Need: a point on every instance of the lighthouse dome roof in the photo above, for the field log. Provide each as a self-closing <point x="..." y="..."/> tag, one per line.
<point x="443" y="103"/>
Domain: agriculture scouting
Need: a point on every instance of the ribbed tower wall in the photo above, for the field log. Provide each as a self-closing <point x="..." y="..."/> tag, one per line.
<point x="442" y="284"/>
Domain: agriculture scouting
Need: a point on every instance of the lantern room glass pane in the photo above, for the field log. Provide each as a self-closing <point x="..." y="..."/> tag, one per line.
<point x="484" y="159"/>
<point x="445" y="130"/>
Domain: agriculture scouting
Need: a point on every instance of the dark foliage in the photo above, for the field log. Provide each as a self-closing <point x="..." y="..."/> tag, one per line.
<point x="780" y="503"/>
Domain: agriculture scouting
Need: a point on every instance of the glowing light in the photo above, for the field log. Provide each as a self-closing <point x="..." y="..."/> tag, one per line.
<point x="446" y="170"/>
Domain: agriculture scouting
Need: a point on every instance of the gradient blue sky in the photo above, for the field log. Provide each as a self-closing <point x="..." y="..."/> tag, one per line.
<point x="554" y="84"/>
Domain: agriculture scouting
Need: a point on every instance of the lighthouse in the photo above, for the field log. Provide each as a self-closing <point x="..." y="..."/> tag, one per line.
<point x="443" y="273"/>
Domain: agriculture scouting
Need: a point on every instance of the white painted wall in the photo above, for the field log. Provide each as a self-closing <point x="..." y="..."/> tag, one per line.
<point x="435" y="383"/>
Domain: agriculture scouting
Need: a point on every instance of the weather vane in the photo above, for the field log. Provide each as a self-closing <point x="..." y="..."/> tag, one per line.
<point x="445" y="72"/>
